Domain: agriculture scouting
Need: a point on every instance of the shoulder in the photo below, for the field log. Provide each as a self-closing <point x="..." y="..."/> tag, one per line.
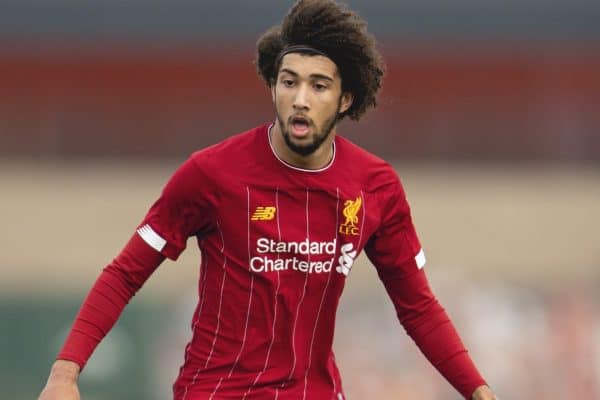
<point x="205" y="167"/>
<point x="232" y="150"/>
<point x="361" y="164"/>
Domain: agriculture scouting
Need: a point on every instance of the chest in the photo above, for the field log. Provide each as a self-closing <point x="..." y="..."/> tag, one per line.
<point x="308" y="229"/>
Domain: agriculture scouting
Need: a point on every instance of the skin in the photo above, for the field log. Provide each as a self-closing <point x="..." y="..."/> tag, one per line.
<point x="483" y="393"/>
<point x="306" y="85"/>
<point x="62" y="382"/>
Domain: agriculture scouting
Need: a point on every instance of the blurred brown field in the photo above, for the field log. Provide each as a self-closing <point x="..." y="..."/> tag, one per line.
<point x="531" y="224"/>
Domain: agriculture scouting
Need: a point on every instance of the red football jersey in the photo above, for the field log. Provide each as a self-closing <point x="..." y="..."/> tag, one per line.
<point x="277" y="245"/>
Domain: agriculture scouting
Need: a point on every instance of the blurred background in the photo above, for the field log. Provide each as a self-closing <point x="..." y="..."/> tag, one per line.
<point x="490" y="111"/>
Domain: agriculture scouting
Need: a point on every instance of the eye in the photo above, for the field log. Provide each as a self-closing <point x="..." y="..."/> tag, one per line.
<point x="287" y="82"/>
<point x="319" y="87"/>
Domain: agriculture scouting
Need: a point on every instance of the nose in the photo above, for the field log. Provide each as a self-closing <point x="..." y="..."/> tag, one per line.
<point x="301" y="99"/>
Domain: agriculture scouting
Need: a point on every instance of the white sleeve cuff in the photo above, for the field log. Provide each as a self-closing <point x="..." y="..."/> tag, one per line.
<point x="152" y="238"/>
<point x="420" y="259"/>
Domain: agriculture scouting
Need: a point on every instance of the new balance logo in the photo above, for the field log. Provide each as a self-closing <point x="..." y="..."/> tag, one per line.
<point x="263" y="214"/>
<point x="346" y="259"/>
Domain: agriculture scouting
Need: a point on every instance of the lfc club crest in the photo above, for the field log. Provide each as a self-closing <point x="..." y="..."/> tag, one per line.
<point x="351" y="210"/>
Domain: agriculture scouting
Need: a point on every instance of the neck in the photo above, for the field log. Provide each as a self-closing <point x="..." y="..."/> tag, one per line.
<point x="320" y="158"/>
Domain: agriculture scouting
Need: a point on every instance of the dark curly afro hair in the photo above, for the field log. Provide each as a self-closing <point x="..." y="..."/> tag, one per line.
<point x="335" y="30"/>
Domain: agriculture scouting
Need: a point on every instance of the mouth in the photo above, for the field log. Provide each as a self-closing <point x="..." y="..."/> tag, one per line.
<point x="300" y="126"/>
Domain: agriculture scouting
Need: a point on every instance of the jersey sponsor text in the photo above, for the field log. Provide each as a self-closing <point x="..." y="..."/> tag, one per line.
<point x="266" y="263"/>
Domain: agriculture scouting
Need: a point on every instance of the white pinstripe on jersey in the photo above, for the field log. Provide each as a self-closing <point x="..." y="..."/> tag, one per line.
<point x="237" y="359"/>
<point x="203" y="295"/>
<point x="212" y="349"/>
<point x="339" y="395"/>
<point x="275" y="306"/>
<point x="300" y="302"/>
<point x="364" y="217"/>
<point x="249" y="297"/>
<point x="312" y="341"/>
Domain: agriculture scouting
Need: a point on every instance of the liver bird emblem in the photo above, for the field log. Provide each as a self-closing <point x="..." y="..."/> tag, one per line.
<point x="351" y="209"/>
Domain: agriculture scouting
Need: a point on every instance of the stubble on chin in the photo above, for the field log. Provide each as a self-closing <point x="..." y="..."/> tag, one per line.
<point x="318" y="140"/>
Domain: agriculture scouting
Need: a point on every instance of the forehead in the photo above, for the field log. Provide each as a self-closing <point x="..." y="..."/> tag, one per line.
<point x="307" y="65"/>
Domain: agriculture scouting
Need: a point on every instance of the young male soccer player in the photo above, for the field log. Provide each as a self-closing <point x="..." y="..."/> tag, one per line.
<point x="280" y="213"/>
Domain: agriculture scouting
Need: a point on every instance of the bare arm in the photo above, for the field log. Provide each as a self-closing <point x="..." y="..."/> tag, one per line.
<point x="62" y="382"/>
<point x="483" y="393"/>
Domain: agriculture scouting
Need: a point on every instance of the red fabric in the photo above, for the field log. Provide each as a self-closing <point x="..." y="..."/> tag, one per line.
<point x="116" y="285"/>
<point x="277" y="245"/>
<point x="428" y="325"/>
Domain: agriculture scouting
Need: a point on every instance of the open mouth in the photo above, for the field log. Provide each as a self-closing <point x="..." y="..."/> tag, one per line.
<point x="300" y="126"/>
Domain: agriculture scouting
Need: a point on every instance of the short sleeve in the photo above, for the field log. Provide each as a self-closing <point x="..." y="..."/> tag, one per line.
<point x="184" y="208"/>
<point x="394" y="248"/>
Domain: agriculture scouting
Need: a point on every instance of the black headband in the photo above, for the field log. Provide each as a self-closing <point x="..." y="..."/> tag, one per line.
<point x="300" y="48"/>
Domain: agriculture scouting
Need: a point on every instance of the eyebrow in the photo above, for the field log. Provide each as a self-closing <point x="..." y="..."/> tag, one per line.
<point x="314" y="76"/>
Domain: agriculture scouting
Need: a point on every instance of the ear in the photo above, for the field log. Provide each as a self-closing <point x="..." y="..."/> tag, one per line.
<point x="346" y="102"/>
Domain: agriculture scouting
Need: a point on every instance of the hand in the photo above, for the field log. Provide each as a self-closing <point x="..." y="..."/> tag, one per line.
<point x="483" y="393"/>
<point x="62" y="382"/>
